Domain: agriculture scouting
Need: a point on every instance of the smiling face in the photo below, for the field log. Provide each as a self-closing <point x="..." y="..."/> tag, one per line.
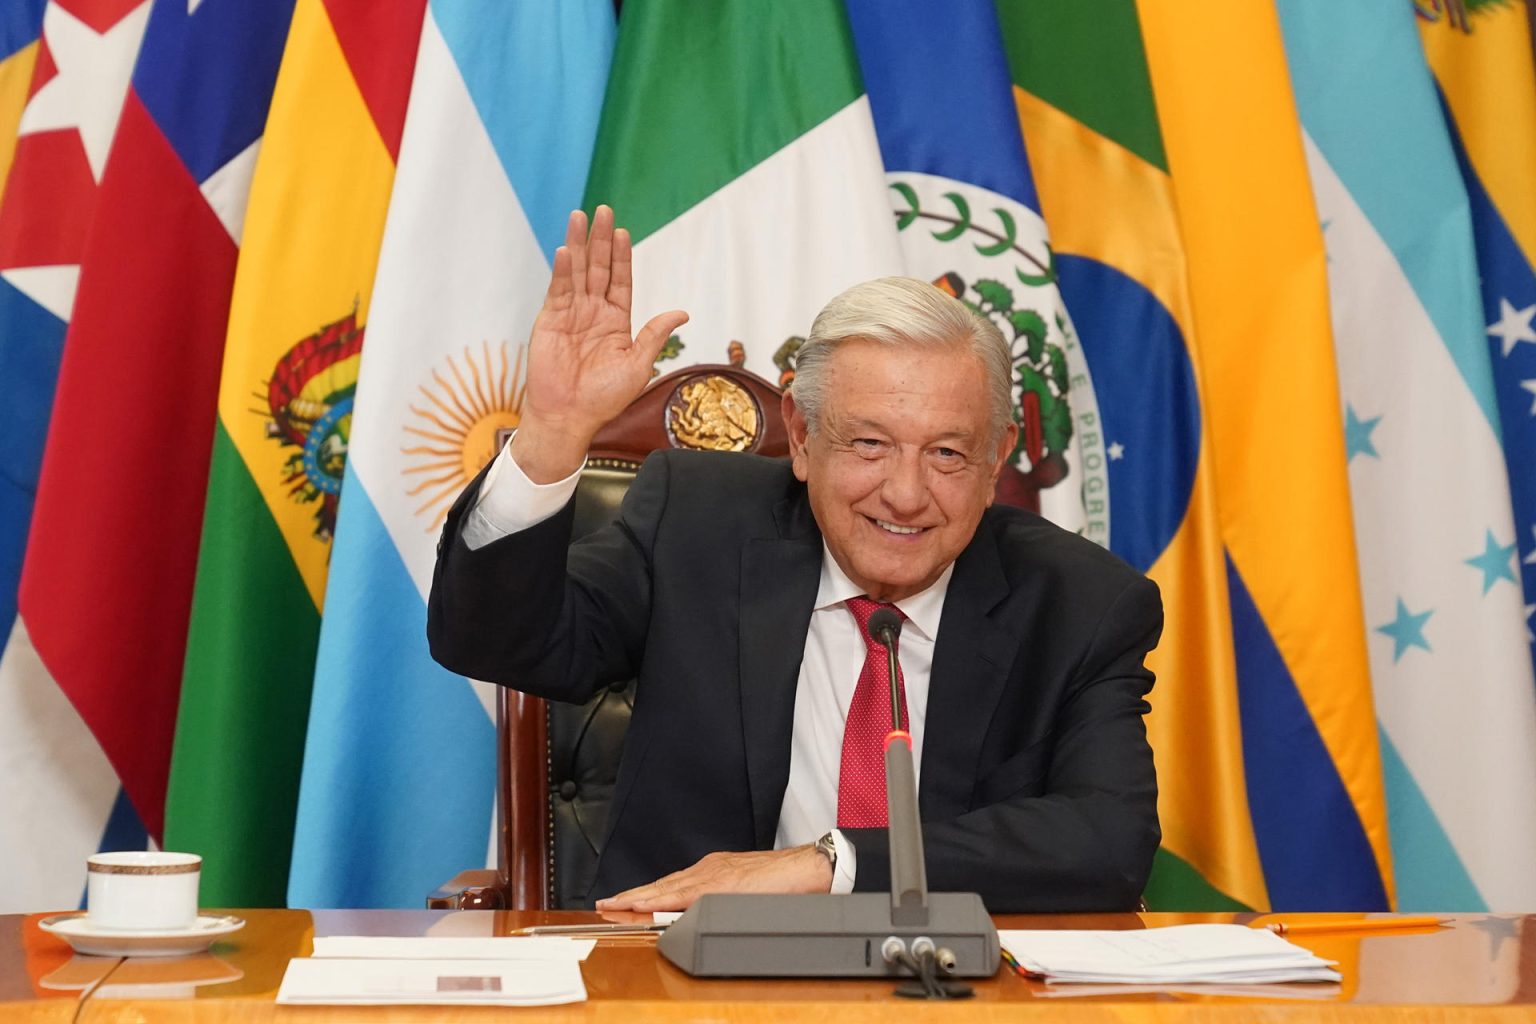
<point x="902" y="464"/>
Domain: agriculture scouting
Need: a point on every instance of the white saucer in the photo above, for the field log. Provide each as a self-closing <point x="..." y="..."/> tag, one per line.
<point x="77" y="930"/>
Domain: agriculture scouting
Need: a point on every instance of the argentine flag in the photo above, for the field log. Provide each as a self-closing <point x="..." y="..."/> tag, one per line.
<point x="399" y="767"/>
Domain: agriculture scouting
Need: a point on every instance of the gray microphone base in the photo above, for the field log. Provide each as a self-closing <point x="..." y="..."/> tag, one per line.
<point x="732" y="935"/>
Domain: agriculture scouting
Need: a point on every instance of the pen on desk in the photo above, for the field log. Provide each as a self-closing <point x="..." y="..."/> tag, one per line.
<point x="1373" y="924"/>
<point x="604" y="928"/>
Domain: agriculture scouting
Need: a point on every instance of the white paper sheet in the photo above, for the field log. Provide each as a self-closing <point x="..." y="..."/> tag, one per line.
<point x="442" y="947"/>
<point x="341" y="982"/>
<point x="1217" y="953"/>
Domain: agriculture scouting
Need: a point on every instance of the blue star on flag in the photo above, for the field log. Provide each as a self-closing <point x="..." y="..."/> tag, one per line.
<point x="1407" y="630"/>
<point x="1493" y="562"/>
<point x="1357" y="435"/>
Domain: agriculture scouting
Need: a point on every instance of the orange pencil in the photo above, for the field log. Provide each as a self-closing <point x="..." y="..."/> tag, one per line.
<point x="1374" y="924"/>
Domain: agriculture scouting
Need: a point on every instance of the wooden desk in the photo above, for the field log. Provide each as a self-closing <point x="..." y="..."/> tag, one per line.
<point x="1482" y="968"/>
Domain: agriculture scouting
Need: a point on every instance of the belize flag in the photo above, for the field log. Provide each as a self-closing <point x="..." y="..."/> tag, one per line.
<point x="399" y="768"/>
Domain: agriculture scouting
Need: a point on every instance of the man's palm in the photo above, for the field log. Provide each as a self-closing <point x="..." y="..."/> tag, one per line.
<point x="583" y="365"/>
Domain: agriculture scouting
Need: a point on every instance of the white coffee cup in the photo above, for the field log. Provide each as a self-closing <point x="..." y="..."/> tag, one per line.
<point x="142" y="890"/>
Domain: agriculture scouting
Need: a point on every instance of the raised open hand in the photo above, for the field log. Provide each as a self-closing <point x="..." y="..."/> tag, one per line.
<point x="584" y="366"/>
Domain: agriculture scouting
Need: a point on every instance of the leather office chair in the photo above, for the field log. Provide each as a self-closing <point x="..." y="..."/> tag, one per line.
<point x="557" y="764"/>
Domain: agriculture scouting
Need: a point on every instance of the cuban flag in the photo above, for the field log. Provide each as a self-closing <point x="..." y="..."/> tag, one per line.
<point x="399" y="767"/>
<point x="57" y="789"/>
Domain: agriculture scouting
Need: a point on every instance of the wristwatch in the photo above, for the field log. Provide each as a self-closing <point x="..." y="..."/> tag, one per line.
<point x="827" y="847"/>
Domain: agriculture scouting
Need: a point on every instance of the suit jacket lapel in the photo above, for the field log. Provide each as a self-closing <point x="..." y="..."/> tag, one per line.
<point x="971" y="658"/>
<point x="779" y="578"/>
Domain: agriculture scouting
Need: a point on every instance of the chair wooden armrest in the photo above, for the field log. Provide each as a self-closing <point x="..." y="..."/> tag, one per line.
<point x="479" y="889"/>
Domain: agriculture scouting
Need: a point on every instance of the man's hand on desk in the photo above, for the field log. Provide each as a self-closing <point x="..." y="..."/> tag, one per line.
<point x="798" y="869"/>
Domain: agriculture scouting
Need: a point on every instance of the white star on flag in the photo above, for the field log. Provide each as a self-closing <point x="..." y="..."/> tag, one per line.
<point x="94" y="70"/>
<point x="1514" y="325"/>
<point x="1530" y="385"/>
<point x="1116" y="452"/>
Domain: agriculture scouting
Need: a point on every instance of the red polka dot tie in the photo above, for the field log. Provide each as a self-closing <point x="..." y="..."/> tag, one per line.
<point x="861" y="783"/>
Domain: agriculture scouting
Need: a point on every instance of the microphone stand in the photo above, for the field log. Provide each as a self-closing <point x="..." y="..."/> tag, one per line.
<point x="909" y="870"/>
<point x="857" y="935"/>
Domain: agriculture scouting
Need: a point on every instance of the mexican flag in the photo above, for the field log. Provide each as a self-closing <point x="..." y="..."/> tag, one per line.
<point x="746" y="167"/>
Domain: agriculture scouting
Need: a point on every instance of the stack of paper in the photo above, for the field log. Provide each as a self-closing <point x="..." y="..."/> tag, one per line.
<point x="367" y="970"/>
<point x="1221" y="953"/>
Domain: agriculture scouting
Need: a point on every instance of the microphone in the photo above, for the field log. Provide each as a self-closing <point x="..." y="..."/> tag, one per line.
<point x="909" y="872"/>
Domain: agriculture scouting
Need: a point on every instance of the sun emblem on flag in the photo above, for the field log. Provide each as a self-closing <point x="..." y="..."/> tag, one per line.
<point x="309" y="408"/>
<point x="455" y="428"/>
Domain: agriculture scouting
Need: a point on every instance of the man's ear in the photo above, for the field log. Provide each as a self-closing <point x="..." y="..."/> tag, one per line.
<point x="799" y="431"/>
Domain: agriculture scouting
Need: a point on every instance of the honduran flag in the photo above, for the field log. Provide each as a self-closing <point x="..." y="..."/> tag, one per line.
<point x="107" y="581"/>
<point x="1449" y="659"/>
<point x="301" y="304"/>
<point x="56" y="787"/>
<point x="400" y="763"/>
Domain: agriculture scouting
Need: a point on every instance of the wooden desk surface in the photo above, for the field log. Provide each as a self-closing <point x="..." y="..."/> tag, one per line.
<point x="1483" y="967"/>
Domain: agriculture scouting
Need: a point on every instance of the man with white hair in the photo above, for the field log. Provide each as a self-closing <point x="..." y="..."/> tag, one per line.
<point x="735" y="589"/>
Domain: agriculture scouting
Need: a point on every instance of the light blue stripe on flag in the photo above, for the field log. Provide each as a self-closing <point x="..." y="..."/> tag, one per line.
<point x="402" y="743"/>
<point x="1429" y="874"/>
<point x="558" y="50"/>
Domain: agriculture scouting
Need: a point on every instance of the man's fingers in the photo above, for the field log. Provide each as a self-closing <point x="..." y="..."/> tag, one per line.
<point x="600" y="252"/>
<point x="655" y="333"/>
<point x="559" y="294"/>
<point x="576" y="245"/>
<point x="645" y="897"/>
<point x="621" y="282"/>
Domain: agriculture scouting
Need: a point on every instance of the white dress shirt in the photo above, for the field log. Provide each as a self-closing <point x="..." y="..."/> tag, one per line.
<point x="829" y="670"/>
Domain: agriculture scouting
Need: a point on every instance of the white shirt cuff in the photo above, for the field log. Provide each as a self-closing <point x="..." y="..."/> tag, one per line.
<point x="509" y="502"/>
<point x="847" y="867"/>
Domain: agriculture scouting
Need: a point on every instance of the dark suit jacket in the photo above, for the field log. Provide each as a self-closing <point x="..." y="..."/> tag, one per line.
<point x="1037" y="786"/>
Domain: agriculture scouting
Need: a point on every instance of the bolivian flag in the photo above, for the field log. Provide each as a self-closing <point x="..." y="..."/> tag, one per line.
<point x="296" y="328"/>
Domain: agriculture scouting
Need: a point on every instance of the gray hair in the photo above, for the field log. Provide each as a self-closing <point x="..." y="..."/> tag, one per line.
<point x="901" y="311"/>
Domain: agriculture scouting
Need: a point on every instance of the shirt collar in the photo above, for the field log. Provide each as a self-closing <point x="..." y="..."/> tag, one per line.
<point x="923" y="609"/>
